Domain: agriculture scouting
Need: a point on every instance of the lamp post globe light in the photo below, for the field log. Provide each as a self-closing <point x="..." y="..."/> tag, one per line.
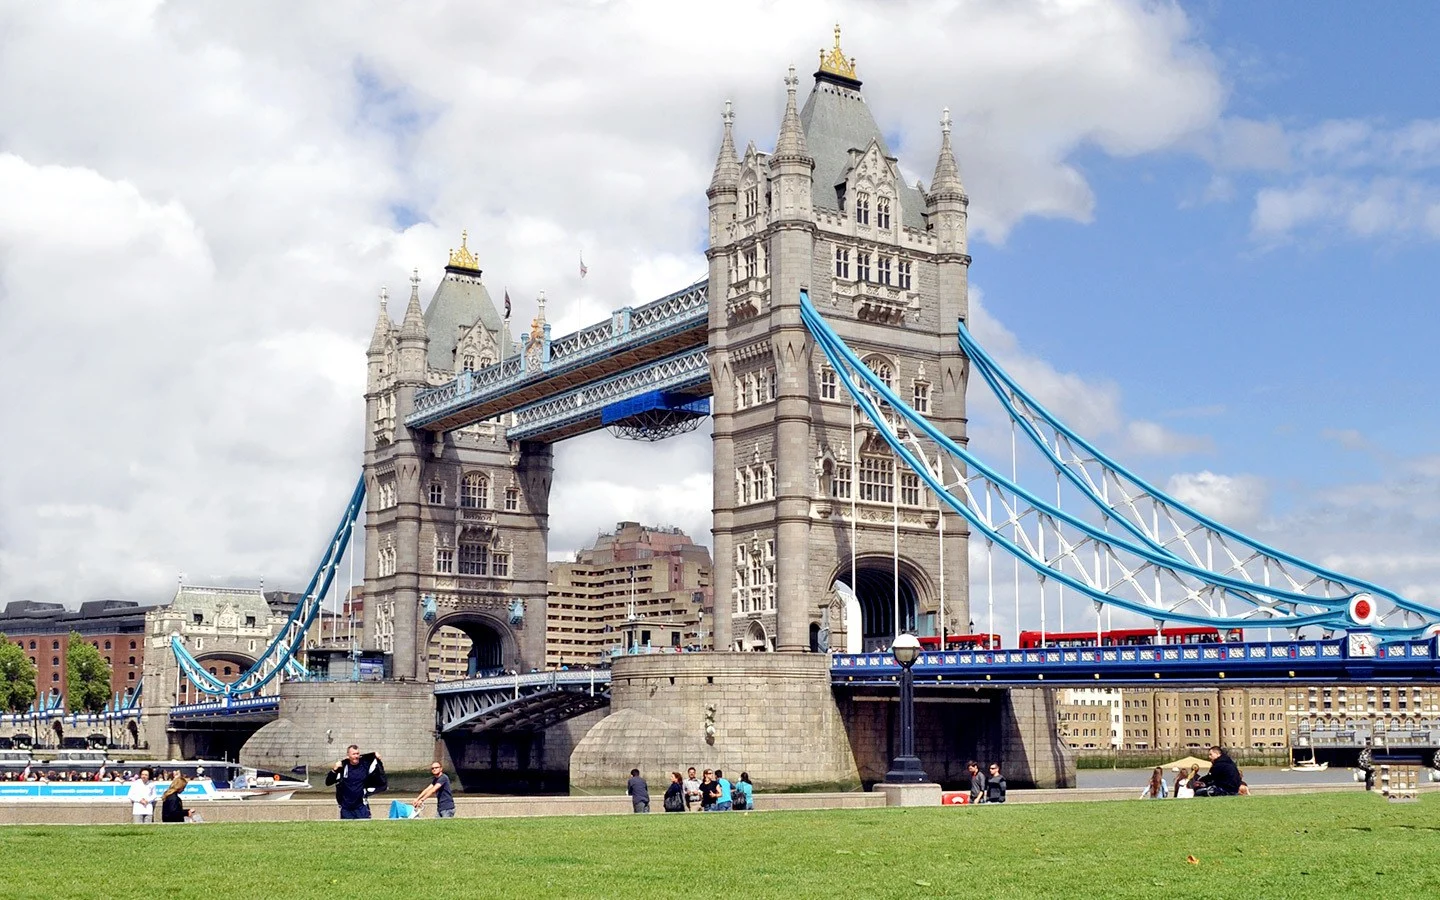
<point x="905" y="767"/>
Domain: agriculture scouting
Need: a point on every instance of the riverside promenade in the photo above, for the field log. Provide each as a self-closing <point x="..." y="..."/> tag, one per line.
<point x="320" y="806"/>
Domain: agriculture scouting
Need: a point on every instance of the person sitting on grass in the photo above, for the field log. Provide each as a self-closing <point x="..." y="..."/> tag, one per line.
<point x="1155" y="790"/>
<point x="1223" y="779"/>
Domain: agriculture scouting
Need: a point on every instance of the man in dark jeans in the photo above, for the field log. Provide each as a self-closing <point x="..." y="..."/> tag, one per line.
<point x="995" y="785"/>
<point x="356" y="777"/>
<point x="1223" y="779"/>
<point x="639" y="792"/>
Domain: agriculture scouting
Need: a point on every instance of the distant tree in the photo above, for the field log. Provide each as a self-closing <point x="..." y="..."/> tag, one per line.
<point x="87" y="676"/>
<point x="17" y="677"/>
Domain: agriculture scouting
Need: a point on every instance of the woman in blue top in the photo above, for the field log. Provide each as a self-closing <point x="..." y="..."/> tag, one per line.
<point x="746" y="792"/>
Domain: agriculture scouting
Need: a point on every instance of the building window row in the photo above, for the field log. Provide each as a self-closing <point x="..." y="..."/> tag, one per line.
<point x="755" y="483"/>
<point x="386" y="494"/>
<point x="754" y="589"/>
<point x="385" y="561"/>
<point x="479" y="559"/>
<point x="874" y="268"/>
<point x="755" y="388"/>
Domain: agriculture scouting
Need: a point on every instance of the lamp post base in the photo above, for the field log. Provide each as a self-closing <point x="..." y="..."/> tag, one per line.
<point x="906" y="770"/>
<point x="910" y="794"/>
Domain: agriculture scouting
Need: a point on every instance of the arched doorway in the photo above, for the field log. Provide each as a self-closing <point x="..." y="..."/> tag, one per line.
<point x="875" y="588"/>
<point x="469" y="646"/>
<point x="755" y="638"/>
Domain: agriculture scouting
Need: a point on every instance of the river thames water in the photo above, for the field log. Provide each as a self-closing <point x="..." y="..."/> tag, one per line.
<point x="1113" y="778"/>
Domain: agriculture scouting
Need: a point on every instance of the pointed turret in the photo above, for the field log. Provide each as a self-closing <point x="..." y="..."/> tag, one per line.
<point x="413" y="339"/>
<point x="946" y="204"/>
<point x="791" y="166"/>
<point x="727" y="164"/>
<point x="791" y="143"/>
<point x="383" y="325"/>
<point x="947" y="174"/>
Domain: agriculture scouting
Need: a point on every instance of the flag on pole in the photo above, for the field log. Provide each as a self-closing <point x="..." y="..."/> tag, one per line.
<point x="583" y="270"/>
<point x="507" y="303"/>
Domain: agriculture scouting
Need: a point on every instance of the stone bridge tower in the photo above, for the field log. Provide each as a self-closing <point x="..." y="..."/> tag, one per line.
<point x="456" y="523"/>
<point x="886" y="264"/>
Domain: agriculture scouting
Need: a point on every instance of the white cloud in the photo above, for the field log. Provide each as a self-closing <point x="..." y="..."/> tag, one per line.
<point x="203" y="201"/>
<point x="1235" y="500"/>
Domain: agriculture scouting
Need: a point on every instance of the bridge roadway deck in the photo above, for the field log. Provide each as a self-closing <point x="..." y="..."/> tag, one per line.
<point x="1314" y="660"/>
<point x="630" y="339"/>
<point x="535" y="700"/>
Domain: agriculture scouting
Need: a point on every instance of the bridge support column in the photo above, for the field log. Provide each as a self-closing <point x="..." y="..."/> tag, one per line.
<point x="771" y="714"/>
<point x="318" y="720"/>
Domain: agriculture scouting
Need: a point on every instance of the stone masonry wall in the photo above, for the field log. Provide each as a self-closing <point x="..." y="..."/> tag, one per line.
<point x="319" y="720"/>
<point x="774" y="716"/>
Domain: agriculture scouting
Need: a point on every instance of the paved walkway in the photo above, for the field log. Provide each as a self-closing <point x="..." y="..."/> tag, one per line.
<point x="320" y="806"/>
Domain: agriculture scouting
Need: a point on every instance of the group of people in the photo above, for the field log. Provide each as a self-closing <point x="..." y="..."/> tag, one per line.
<point x="986" y="788"/>
<point x="143" y="800"/>
<point x="1223" y="780"/>
<point x="710" y="791"/>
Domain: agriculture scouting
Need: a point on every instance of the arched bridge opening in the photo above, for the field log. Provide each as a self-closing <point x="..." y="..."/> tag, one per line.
<point x="470" y="645"/>
<point x="885" y="588"/>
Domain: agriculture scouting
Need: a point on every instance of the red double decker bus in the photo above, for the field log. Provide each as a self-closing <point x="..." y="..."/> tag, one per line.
<point x="961" y="642"/>
<point x="1129" y="637"/>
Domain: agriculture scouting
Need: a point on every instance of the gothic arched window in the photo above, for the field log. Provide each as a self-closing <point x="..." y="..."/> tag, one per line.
<point x="882" y="369"/>
<point x="475" y="492"/>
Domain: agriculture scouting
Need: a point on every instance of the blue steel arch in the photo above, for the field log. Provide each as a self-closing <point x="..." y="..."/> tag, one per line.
<point x="1280" y="607"/>
<point x="1006" y="390"/>
<point x="278" y="657"/>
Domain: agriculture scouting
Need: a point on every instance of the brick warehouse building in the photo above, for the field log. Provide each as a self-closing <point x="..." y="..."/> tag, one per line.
<point x="114" y="627"/>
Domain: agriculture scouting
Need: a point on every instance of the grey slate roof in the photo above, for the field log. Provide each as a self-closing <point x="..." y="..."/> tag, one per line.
<point x="836" y="120"/>
<point x="460" y="301"/>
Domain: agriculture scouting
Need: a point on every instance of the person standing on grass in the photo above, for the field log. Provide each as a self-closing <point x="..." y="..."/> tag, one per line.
<point x="639" y="792"/>
<point x="724" y="800"/>
<point x="744" y="792"/>
<point x="439" y="789"/>
<point x="675" y="794"/>
<point x="977" y="782"/>
<point x="692" y="790"/>
<point x="142" y="799"/>
<point x="356" y="777"/>
<point x="995" y="785"/>
<point x="709" y="792"/>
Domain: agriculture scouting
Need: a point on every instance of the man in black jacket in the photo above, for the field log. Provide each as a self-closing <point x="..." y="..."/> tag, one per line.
<point x="356" y="777"/>
<point x="1223" y="779"/>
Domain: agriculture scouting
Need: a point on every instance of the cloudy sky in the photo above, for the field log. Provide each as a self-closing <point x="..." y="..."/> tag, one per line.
<point x="1200" y="231"/>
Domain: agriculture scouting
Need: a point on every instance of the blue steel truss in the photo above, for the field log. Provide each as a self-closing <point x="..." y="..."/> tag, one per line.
<point x="519" y="702"/>
<point x="1165" y="523"/>
<point x="1060" y="547"/>
<point x="565" y="361"/>
<point x="583" y="409"/>
<point x="278" y="658"/>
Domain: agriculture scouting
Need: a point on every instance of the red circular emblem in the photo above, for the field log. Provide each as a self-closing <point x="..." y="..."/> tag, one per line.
<point x="1362" y="609"/>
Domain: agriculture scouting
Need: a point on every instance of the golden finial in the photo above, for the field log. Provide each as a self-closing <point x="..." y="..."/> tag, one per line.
<point x="463" y="258"/>
<point x="835" y="61"/>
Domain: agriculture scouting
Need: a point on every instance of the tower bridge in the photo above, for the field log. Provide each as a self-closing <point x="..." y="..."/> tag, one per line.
<point x="830" y="338"/>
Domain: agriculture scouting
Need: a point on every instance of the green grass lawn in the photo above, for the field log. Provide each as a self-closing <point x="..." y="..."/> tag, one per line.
<point x="1321" y="846"/>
